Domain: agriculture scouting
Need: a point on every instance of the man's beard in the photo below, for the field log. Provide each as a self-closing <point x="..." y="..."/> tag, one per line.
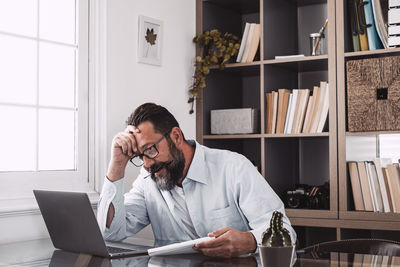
<point x="173" y="169"/>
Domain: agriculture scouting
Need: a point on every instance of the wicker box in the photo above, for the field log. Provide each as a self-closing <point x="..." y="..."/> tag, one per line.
<point x="234" y="121"/>
<point x="373" y="94"/>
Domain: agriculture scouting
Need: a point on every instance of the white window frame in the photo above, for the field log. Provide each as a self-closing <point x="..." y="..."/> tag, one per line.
<point x="16" y="190"/>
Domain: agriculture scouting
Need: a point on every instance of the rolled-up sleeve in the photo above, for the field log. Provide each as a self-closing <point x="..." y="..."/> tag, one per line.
<point x="130" y="214"/>
<point x="112" y="192"/>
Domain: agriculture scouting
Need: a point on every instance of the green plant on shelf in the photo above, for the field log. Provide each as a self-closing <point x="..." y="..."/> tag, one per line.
<point x="215" y="49"/>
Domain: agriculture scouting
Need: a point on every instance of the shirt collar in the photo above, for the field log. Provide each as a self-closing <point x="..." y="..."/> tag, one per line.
<point x="197" y="170"/>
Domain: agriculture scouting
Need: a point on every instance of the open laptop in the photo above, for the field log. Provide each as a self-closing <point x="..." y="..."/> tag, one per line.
<point x="72" y="225"/>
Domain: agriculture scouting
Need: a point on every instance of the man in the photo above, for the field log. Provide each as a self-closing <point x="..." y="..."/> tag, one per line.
<point x="194" y="191"/>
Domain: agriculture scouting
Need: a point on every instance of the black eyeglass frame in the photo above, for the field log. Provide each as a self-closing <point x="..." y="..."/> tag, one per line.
<point x="140" y="156"/>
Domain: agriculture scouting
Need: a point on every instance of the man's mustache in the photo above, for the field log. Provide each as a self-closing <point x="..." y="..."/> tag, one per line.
<point x="158" y="166"/>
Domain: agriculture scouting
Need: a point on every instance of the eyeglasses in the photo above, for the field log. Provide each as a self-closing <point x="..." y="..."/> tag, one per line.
<point x="150" y="153"/>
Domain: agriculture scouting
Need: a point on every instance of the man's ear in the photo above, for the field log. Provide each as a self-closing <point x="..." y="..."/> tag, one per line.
<point x="176" y="136"/>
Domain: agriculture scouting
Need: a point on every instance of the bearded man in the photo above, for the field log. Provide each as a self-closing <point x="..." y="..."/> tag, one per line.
<point x="193" y="191"/>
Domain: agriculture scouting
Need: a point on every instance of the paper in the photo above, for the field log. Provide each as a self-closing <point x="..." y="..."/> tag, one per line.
<point x="185" y="247"/>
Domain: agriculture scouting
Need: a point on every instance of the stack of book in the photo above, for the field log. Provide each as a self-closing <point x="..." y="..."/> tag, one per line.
<point x="250" y="43"/>
<point x="375" y="260"/>
<point x="394" y="23"/>
<point x="367" y="23"/>
<point x="375" y="185"/>
<point x="297" y="111"/>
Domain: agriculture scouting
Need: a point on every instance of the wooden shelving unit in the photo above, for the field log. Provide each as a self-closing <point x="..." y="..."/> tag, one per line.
<point x="288" y="159"/>
<point x="373" y="224"/>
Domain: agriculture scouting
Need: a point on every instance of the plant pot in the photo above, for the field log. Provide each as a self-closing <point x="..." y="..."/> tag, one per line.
<point x="276" y="256"/>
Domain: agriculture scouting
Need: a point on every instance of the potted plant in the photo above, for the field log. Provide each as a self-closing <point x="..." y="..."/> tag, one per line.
<point x="215" y="49"/>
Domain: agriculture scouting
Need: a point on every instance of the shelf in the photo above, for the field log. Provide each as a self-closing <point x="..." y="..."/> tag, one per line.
<point x="246" y="136"/>
<point x="308" y="2"/>
<point x="232" y="136"/>
<point x="308" y="213"/>
<point x="302" y="64"/>
<point x="377" y="52"/>
<point x="370" y="216"/>
<point x="237" y="65"/>
<point x="240" y="6"/>
<point x="371" y="133"/>
<point x="295" y="59"/>
<point x="296" y="135"/>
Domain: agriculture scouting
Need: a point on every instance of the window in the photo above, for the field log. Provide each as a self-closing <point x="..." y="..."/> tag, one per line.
<point x="44" y="105"/>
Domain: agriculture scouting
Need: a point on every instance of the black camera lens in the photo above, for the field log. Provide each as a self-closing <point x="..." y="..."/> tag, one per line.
<point x="293" y="201"/>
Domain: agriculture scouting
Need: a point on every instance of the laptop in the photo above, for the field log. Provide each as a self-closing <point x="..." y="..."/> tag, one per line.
<point x="72" y="225"/>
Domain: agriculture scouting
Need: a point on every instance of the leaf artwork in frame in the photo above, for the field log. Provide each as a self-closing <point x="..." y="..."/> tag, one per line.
<point x="150" y="40"/>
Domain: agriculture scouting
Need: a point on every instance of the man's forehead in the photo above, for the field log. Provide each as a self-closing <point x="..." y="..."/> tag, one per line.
<point x="144" y="133"/>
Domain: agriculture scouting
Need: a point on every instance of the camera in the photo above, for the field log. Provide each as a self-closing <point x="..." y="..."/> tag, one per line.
<point x="308" y="197"/>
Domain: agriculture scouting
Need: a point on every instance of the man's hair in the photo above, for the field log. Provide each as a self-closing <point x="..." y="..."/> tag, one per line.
<point x="163" y="121"/>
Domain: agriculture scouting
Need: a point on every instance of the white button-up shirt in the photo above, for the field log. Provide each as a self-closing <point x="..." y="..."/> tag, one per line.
<point x="222" y="188"/>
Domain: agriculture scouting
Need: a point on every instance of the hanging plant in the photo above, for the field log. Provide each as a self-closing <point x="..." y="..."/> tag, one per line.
<point x="215" y="49"/>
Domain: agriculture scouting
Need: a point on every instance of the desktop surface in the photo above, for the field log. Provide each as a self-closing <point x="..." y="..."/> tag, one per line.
<point x="42" y="253"/>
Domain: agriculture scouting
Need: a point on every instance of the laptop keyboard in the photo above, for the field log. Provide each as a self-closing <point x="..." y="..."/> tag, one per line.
<point x="115" y="250"/>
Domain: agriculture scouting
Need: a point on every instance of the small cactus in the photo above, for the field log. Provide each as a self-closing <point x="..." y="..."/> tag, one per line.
<point x="276" y="235"/>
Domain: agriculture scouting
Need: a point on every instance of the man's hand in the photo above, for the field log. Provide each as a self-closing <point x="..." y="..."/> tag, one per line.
<point x="228" y="243"/>
<point x="123" y="148"/>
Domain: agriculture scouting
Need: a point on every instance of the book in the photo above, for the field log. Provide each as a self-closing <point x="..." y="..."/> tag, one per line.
<point x="385" y="261"/>
<point x="289" y="56"/>
<point x="394" y="3"/>
<point x="373" y="38"/>
<point x="255" y="43"/>
<point x="243" y="42"/>
<point x="283" y="101"/>
<point x="394" y="30"/>
<point x="316" y="96"/>
<point x="365" y="187"/>
<point x="295" y="93"/>
<point x="185" y="247"/>
<point x="395" y="261"/>
<point x="351" y="5"/>
<point x="381" y="26"/>
<point x="362" y="31"/>
<point x="248" y="43"/>
<point x="377" y="187"/>
<point x="388" y="191"/>
<point x="356" y="186"/>
<point x="368" y="260"/>
<point x="324" y="111"/>
<point x="269" y="109"/>
<point x="358" y="260"/>
<point x="304" y="96"/>
<point x="394" y="184"/>
<point x="318" y="107"/>
<point x="274" y="111"/>
<point x="297" y="111"/>
<point x="379" y="163"/>
<point x="394" y="16"/>
<point x="394" y="41"/>
<point x="308" y="112"/>
<point x="287" y="113"/>
<point x="372" y="186"/>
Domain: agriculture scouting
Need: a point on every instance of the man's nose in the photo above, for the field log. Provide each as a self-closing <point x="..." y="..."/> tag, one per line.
<point x="147" y="162"/>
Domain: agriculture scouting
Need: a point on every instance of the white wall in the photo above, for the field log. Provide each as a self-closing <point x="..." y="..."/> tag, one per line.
<point x="130" y="83"/>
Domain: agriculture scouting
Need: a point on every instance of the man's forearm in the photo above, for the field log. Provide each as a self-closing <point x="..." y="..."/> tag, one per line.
<point x="116" y="171"/>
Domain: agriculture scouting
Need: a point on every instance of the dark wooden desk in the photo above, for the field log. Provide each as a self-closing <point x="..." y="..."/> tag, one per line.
<point x="42" y="253"/>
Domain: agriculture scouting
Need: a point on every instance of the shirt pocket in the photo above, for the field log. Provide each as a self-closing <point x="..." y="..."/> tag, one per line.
<point x="228" y="216"/>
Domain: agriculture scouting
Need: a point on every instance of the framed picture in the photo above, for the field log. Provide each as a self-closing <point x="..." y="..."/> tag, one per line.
<point x="150" y="40"/>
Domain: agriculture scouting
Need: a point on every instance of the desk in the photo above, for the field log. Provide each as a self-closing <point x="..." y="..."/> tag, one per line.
<point x="42" y="253"/>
